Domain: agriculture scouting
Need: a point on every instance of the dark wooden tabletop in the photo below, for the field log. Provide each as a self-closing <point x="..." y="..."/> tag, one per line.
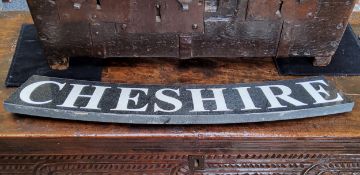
<point x="168" y="71"/>
<point x="322" y="145"/>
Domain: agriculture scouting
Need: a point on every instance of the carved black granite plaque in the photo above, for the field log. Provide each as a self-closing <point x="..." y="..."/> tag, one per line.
<point x="187" y="104"/>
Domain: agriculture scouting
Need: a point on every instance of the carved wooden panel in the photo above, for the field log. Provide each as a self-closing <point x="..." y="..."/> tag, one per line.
<point x="179" y="164"/>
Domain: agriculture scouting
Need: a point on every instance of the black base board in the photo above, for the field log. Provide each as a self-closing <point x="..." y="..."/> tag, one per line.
<point x="29" y="60"/>
<point x="346" y="61"/>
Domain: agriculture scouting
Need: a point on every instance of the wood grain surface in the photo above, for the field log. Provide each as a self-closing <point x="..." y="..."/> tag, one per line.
<point x="323" y="145"/>
<point x="168" y="71"/>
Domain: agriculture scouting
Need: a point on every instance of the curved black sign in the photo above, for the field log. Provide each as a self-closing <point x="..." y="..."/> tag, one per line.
<point x="189" y="104"/>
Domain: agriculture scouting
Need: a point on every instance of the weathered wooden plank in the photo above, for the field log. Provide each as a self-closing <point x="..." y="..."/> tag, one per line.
<point x="164" y="16"/>
<point x="312" y="28"/>
<point x="72" y="11"/>
<point x="122" y="44"/>
<point x="264" y="10"/>
<point x="240" y="39"/>
<point x="46" y="18"/>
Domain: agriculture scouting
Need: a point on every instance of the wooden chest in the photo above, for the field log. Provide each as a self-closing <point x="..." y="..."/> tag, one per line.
<point x="190" y="28"/>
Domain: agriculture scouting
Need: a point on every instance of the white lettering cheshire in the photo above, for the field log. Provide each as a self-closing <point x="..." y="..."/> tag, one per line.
<point x="177" y="104"/>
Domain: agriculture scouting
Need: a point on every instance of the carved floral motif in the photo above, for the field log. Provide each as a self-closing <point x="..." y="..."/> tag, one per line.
<point x="178" y="164"/>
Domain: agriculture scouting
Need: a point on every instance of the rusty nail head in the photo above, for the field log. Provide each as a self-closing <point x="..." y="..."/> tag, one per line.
<point x="77" y="6"/>
<point x="123" y="26"/>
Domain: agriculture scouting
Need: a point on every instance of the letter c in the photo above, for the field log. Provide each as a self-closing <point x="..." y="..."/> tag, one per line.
<point x="25" y="94"/>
